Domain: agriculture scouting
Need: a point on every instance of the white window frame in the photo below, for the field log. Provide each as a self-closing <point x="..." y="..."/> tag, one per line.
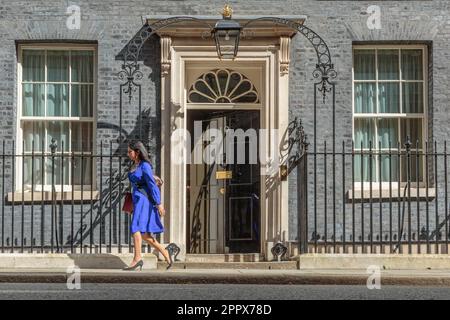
<point x="423" y="116"/>
<point x="20" y="118"/>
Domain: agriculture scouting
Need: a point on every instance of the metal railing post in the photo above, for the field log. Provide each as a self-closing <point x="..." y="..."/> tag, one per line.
<point x="302" y="199"/>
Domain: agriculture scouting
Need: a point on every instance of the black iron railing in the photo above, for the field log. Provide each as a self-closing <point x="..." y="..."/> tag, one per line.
<point x="63" y="201"/>
<point x="373" y="200"/>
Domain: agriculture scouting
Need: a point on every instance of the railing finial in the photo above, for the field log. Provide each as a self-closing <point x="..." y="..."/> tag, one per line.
<point x="53" y="146"/>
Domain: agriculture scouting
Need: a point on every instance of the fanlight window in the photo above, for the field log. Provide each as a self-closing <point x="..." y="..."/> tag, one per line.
<point x="223" y="86"/>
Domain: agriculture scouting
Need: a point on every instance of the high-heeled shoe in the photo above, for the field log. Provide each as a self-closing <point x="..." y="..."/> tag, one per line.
<point x="139" y="265"/>
<point x="170" y="263"/>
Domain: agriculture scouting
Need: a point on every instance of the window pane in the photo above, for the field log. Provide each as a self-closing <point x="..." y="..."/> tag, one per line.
<point x="82" y="134"/>
<point x="413" y="129"/>
<point x="58" y="100"/>
<point x="413" y="97"/>
<point x="388" y="133"/>
<point x="35" y="170"/>
<point x="223" y="77"/>
<point x="57" y="66"/>
<point x="82" y="66"/>
<point x="365" y="98"/>
<point x="388" y="97"/>
<point x="412" y="64"/>
<point x="363" y="168"/>
<point x="55" y="171"/>
<point x="33" y="132"/>
<point x="60" y="132"/>
<point x="388" y="68"/>
<point x="82" y="170"/>
<point x="82" y="100"/>
<point x="33" y="100"/>
<point x="194" y="97"/>
<point x="33" y="65"/>
<point x="364" y="64"/>
<point x="389" y="168"/>
<point x="364" y="133"/>
<point x="416" y="168"/>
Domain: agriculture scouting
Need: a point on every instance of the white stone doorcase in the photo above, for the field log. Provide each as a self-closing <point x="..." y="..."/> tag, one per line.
<point x="264" y="60"/>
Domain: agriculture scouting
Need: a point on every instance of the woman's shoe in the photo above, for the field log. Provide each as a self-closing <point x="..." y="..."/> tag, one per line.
<point x="170" y="262"/>
<point x="139" y="265"/>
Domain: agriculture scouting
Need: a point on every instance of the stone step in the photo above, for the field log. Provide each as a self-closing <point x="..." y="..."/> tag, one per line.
<point x="283" y="265"/>
<point x="227" y="258"/>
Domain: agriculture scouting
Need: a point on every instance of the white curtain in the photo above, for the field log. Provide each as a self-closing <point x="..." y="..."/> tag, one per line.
<point x="82" y="100"/>
<point x="365" y="97"/>
<point x="364" y="64"/>
<point x="364" y="136"/>
<point x="33" y="99"/>
<point x="364" y="133"/>
<point x="33" y="132"/>
<point x="388" y="93"/>
<point x="413" y="129"/>
<point x="388" y="65"/>
<point x="388" y="133"/>
<point x="388" y="138"/>
<point x="33" y="70"/>
<point x="60" y="132"/>
<point x="413" y="97"/>
<point x="82" y="133"/>
<point x="388" y="97"/>
<point x="412" y="64"/>
<point x="58" y="100"/>
<point x="82" y="66"/>
<point x="57" y="66"/>
<point x="33" y="65"/>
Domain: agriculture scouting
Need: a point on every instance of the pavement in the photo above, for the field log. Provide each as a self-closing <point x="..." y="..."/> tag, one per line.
<point x="216" y="296"/>
<point x="430" y="278"/>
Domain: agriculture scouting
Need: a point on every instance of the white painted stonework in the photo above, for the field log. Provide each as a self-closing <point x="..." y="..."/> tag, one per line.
<point x="264" y="59"/>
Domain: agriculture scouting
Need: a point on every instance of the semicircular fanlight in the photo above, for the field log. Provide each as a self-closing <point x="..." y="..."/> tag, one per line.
<point x="223" y="86"/>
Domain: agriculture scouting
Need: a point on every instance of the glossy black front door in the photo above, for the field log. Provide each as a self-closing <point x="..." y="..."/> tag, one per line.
<point x="224" y="195"/>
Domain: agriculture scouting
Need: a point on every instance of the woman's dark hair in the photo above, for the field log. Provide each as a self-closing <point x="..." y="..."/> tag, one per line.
<point x="139" y="147"/>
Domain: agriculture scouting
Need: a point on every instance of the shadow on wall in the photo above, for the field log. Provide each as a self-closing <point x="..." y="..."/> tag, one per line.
<point x="146" y="128"/>
<point x="103" y="261"/>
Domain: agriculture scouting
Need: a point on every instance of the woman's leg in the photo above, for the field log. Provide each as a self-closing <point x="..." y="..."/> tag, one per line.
<point x="137" y="237"/>
<point x="154" y="243"/>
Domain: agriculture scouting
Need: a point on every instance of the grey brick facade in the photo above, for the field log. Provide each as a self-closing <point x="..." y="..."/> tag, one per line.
<point x="111" y="24"/>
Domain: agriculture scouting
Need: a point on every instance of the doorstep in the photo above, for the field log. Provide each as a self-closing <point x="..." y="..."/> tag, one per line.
<point x="283" y="265"/>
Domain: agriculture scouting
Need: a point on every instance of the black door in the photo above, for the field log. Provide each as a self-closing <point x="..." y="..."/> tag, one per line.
<point x="224" y="195"/>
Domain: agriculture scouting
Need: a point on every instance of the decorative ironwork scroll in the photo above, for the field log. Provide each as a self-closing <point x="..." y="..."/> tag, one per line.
<point x="279" y="251"/>
<point x="324" y="71"/>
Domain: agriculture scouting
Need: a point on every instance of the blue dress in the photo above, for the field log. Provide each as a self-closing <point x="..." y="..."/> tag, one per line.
<point x="145" y="218"/>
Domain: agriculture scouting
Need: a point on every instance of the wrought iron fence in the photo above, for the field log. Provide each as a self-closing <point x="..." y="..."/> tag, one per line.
<point x="63" y="201"/>
<point x="373" y="200"/>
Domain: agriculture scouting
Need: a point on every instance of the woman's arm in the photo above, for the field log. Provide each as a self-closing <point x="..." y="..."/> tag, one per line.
<point x="154" y="194"/>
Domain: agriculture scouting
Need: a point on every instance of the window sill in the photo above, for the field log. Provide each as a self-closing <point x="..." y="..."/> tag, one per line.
<point x="385" y="194"/>
<point x="28" y="197"/>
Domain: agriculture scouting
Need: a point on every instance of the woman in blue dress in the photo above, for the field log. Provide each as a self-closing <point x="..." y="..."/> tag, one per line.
<point x="147" y="207"/>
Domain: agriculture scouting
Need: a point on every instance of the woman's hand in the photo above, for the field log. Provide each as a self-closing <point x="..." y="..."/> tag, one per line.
<point x="161" y="210"/>
<point x="158" y="180"/>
